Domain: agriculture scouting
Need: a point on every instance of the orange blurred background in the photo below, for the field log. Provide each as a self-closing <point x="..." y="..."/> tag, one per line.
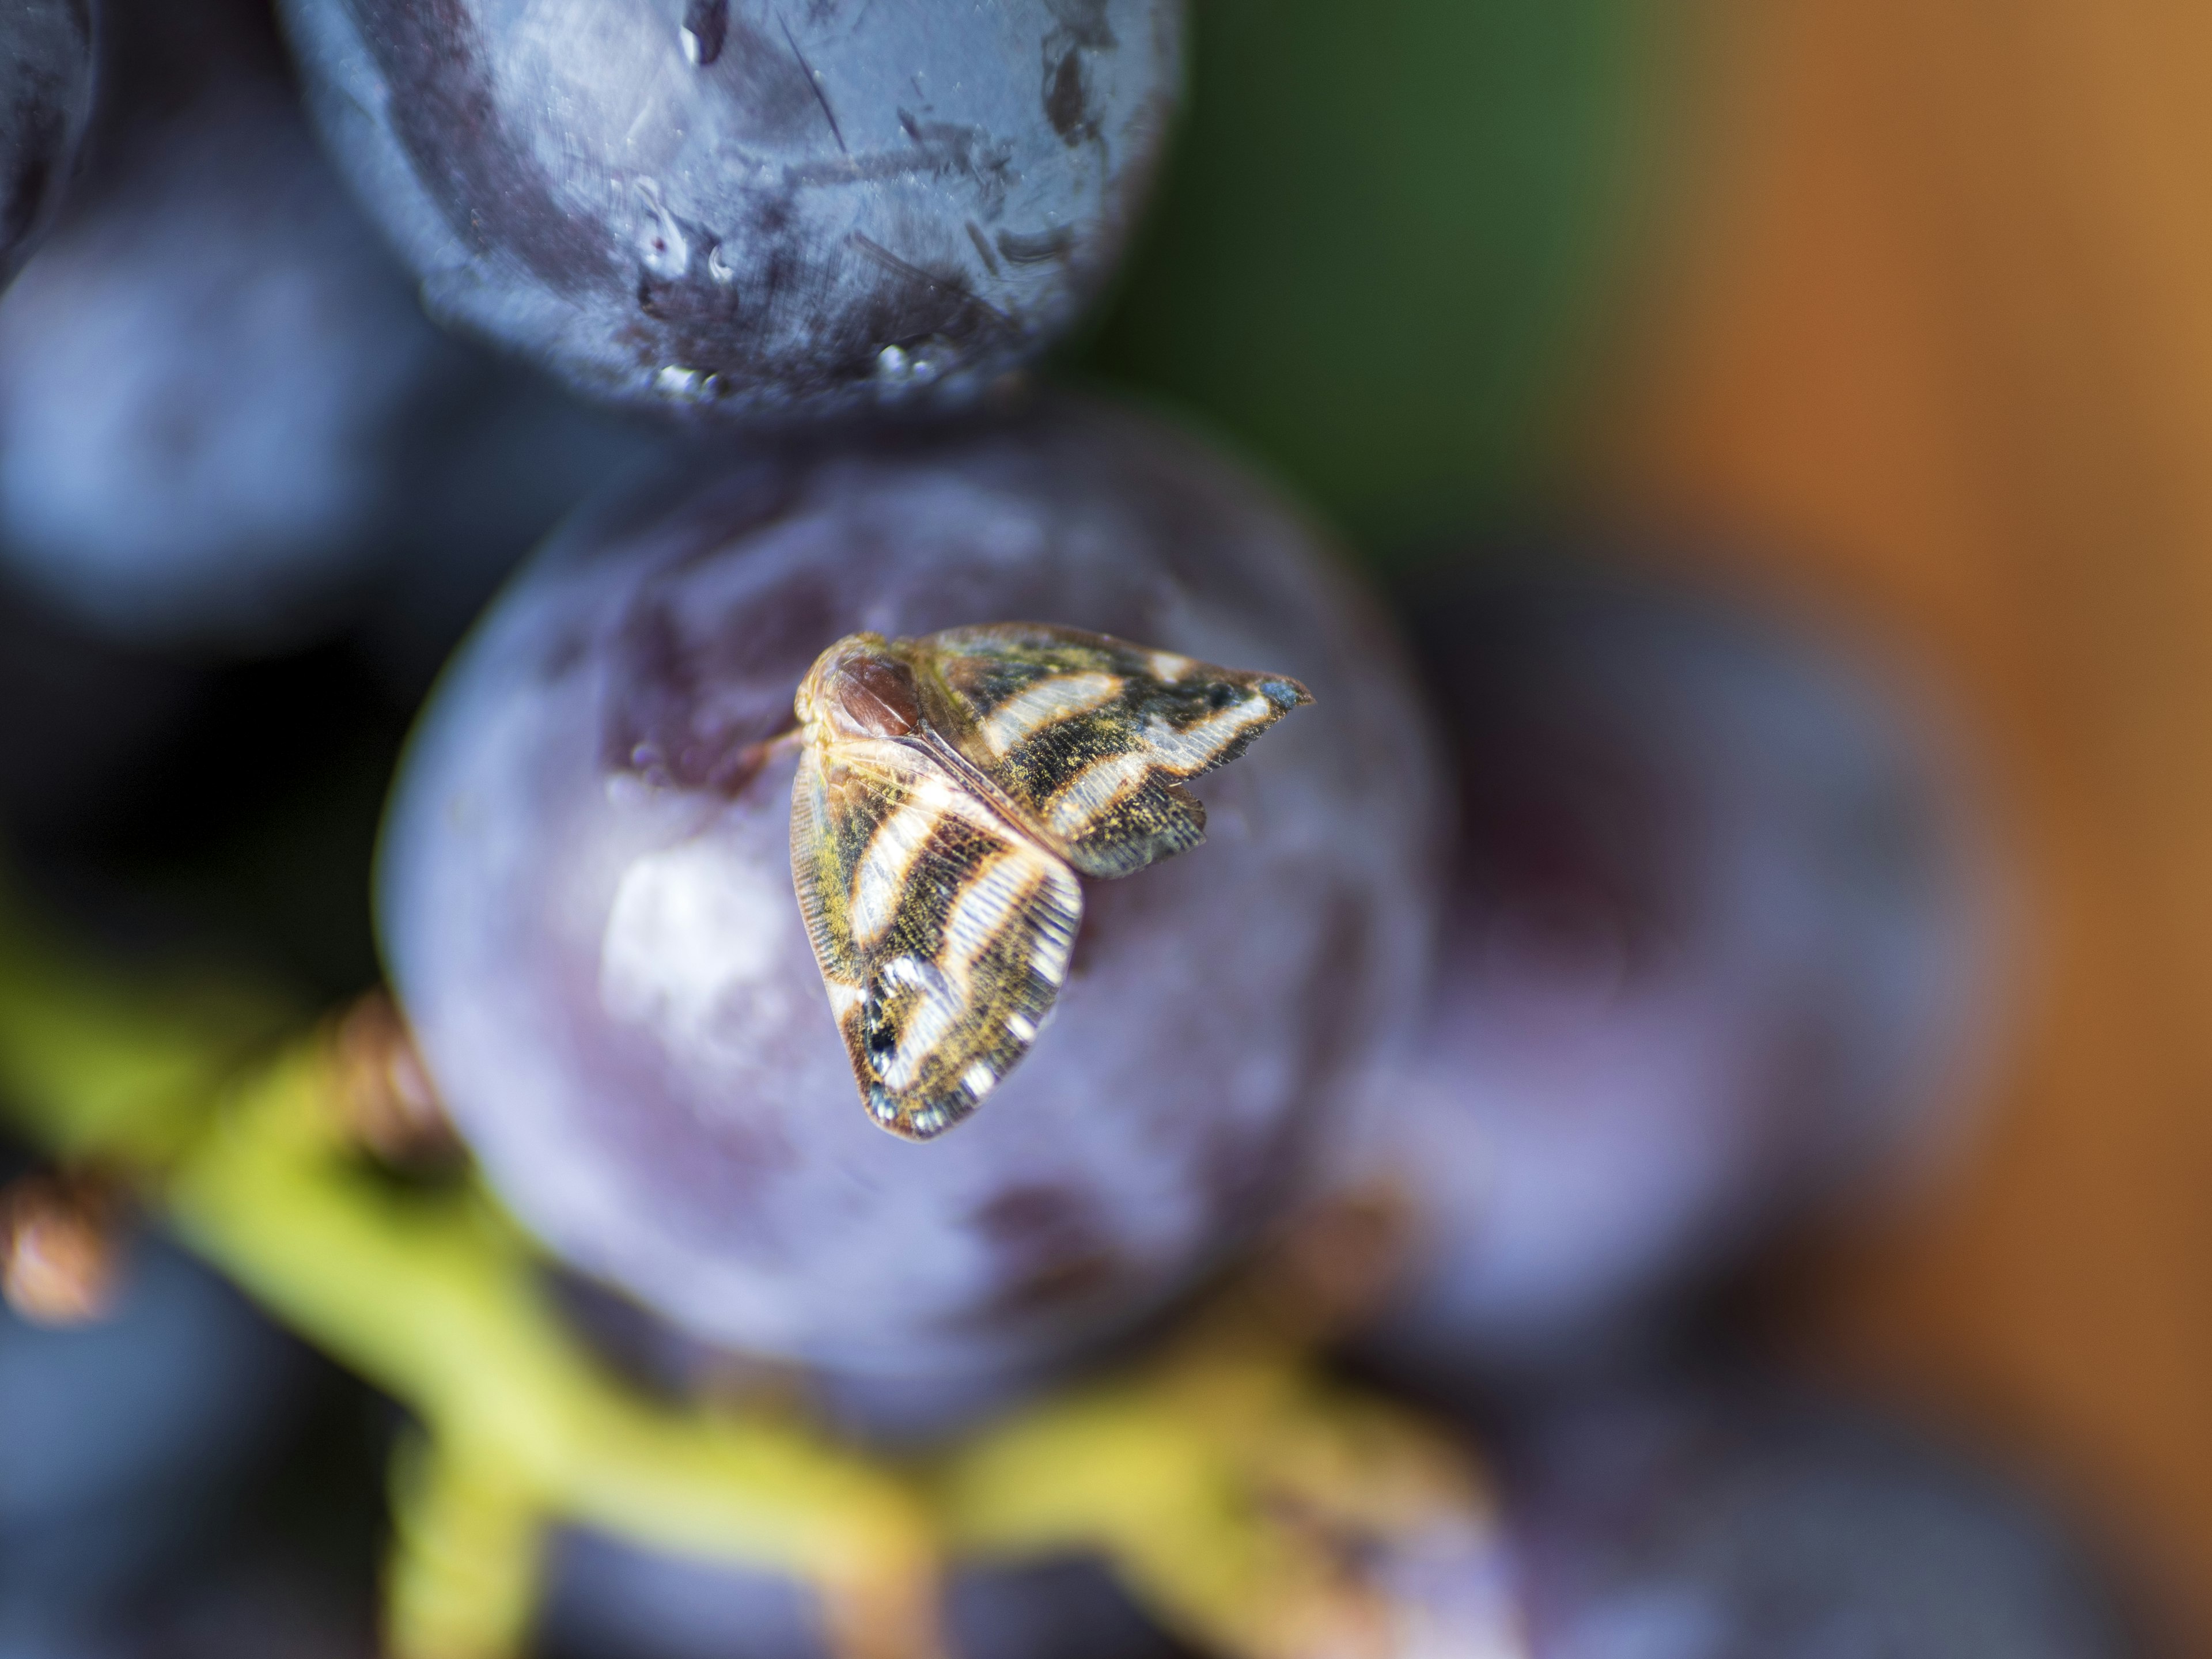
<point x="1933" y="333"/>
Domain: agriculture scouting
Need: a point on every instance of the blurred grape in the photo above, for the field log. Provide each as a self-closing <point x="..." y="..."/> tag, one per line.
<point x="261" y="1606"/>
<point x="221" y="412"/>
<point x="586" y="897"/>
<point x="127" y="1444"/>
<point x="828" y="209"/>
<point x="610" y="1601"/>
<point x="201" y="377"/>
<point x="45" y="93"/>
<point x="1729" y="1518"/>
<point x="1718" y="953"/>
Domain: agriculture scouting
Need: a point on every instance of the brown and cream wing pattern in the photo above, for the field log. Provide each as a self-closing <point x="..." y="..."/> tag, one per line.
<point x="942" y="928"/>
<point x="1089" y="738"/>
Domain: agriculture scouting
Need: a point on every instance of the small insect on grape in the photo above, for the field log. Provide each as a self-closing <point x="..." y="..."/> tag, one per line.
<point x="950" y="788"/>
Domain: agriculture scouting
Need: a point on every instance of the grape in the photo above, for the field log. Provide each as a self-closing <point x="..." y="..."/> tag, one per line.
<point x="1717" y="949"/>
<point x="608" y="1599"/>
<point x="1681" y="1517"/>
<point x="198" y="376"/>
<point x="45" y="92"/>
<point x="123" y="1440"/>
<point x="849" y="205"/>
<point x="586" y="897"/>
<point x="222" y="410"/>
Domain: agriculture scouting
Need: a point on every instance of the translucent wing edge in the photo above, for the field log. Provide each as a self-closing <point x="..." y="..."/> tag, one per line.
<point x="813" y="841"/>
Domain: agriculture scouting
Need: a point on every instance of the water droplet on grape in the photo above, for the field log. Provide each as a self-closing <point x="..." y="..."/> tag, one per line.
<point x="896" y="366"/>
<point x="706" y="24"/>
<point x="530" y="219"/>
<point x="682" y="385"/>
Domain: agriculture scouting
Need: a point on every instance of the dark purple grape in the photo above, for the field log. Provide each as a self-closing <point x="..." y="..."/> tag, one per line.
<point x="1718" y="950"/>
<point x="199" y="379"/>
<point x="45" y="94"/>
<point x="222" y="410"/>
<point x="847" y="206"/>
<point x="1724" y="1519"/>
<point x="586" y="897"/>
<point x="257" y="1604"/>
<point x="610" y="1601"/>
<point x="125" y="1442"/>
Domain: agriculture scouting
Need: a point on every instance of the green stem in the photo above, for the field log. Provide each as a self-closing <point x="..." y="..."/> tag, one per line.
<point x="467" y="1556"/>
<point x="98" y="1065"/>
<point x="431" y="1294"/>
<point x="1179" y="1473"/>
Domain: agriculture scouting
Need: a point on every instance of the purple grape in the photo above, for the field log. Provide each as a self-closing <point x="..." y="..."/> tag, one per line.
<point x="45" y="93"/>
<point x="1723" y="1518"/>
<point x="849" y="205"/>
<point x="586" y="897"/>
<point x="608" y="1599"/>
<point x="124" y="1440"/>
<point x="1718" y="950"/>
<point x="221" y="412"/>
<point x="197" y="377"/>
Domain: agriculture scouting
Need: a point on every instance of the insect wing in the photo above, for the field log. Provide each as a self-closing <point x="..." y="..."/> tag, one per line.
<point x="1091" y="737"/>
<point x="942" y="930"/>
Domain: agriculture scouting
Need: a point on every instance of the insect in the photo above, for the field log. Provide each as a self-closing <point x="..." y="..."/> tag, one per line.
<point x="950" y="789"/>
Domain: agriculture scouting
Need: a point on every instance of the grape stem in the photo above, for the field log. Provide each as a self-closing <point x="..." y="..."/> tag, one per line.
<point x="1246" y="1502"/>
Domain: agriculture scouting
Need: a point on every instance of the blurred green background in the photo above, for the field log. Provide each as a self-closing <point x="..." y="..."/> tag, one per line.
<point x="1389" y="237"/>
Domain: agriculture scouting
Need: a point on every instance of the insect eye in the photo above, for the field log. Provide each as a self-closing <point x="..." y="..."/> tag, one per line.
<point x="873" y="696"/>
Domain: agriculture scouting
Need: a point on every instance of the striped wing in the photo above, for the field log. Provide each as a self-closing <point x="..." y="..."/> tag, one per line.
<point x="1091" y="737"/>
<point x="942" y="930"/>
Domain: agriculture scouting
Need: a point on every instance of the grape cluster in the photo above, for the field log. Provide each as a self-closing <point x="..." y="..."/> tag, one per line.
<point x="1702" y="946"/>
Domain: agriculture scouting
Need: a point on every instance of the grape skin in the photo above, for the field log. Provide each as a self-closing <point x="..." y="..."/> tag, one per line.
<point x="223" y="419"/>
<point x="200" y="378"/>
<point x="46" y="95"/>
<point x="723" y="206"/>
<point x="586" y="897"/>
